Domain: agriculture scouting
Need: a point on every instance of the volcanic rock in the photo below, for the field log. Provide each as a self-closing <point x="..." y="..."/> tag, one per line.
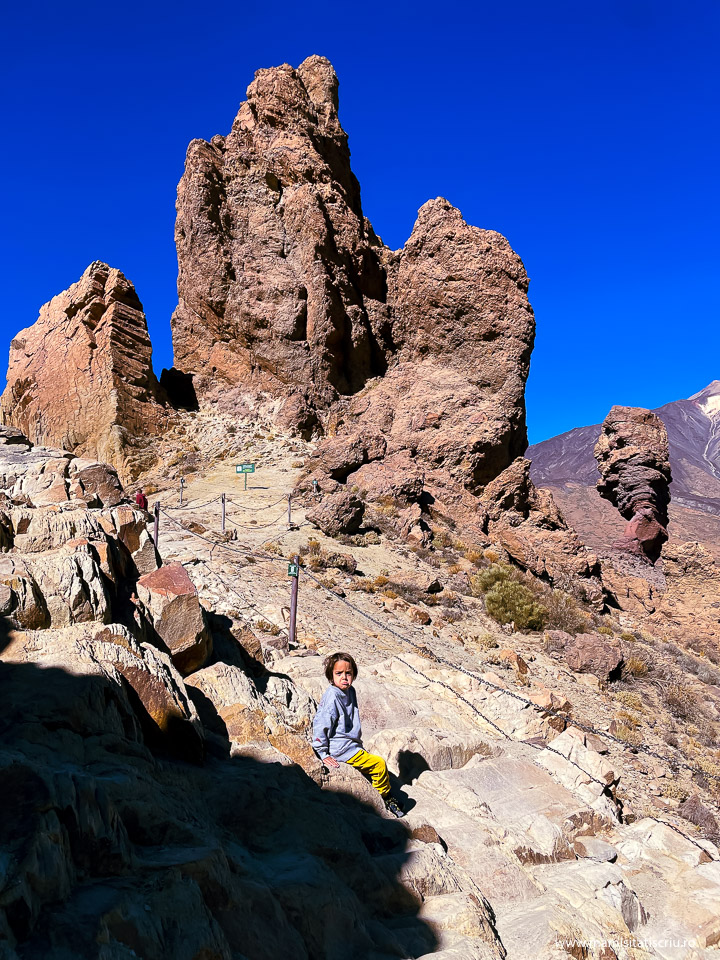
<point x="633" y="460"/>
<point x="589" y="653"/>
<point x="340" y="512"/>
<point x="171" y="600"/>
<point x="529" y="526"/>
<point x="81" y="377"/>
<point x="280" y="282"/>
<point x="284" y="287"/>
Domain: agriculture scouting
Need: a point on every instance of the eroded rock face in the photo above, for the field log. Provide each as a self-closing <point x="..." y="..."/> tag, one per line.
<point x="529" y="526"/>
<point x="284" y="287"/>
<point x="634" y="462"/>
<point x="81" y="377"/>
<point x="280" y="281"/>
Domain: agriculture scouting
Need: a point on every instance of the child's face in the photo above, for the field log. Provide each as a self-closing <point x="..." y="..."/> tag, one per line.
<point x="342" y="675"/>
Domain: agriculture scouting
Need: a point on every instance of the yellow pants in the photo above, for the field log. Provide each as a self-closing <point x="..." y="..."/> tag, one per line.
<point x="375" y="767"/>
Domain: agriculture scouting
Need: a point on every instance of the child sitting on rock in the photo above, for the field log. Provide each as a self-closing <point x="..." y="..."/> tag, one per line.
<point x="337" y="734"/>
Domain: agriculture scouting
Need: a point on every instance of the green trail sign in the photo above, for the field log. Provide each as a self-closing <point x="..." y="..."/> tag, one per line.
<point x="293" y="569"/>
<point x="245" y="469"/>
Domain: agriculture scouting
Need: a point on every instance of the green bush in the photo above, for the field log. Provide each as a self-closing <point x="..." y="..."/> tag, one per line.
<point x="494" y="574"/>
<point x="509" y="601"/>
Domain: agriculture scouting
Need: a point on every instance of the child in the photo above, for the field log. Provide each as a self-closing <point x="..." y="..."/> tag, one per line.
<point x="337" y="734"/>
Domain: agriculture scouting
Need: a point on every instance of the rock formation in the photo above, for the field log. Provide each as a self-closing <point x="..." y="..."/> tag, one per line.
<point x="633" y="460"/>
<point x="534" y="533"/>
<point x="280" y="281"/>
<point x="284" y="286"/>
<point x="81" y="377"/>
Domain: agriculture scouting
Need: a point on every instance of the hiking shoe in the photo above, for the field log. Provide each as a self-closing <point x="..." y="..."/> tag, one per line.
<point x="394" y="807"/>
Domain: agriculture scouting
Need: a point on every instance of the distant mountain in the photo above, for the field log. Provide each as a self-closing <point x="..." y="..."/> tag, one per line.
<point x="566" y="464"/>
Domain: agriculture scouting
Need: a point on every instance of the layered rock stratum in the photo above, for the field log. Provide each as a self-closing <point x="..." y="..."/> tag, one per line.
<point x="81" y="376"/>
<point x="634" y="464"/>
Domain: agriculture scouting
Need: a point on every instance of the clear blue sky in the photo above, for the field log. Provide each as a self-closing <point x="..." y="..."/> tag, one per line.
<point x="587" y="133"/>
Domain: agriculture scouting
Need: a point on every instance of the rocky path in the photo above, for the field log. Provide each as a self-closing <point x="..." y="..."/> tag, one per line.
<point x="528" y="819"/>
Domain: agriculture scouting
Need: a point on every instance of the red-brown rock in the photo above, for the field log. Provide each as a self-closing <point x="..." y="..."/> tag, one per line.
<point x="589" y="653"/>
<point x="81" y="377"/>
<point x="341" y="512"/>
<point x="633" y="458"/>
<point x="526" y="522"/>
<point x="171" y="601"/>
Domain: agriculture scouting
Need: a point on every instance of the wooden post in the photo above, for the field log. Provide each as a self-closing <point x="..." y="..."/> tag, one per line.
<point x="223" y="513"/>
<point x="156" y="532"/>
<point x="182" y="487"/>
<point x="295" y="577"/>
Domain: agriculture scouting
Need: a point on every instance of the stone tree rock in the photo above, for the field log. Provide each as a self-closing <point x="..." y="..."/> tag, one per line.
<point x="81" y="377"/>
<point x="634" y="463"/>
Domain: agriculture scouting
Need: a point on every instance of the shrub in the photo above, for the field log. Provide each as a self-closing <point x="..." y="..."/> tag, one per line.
<point x="563" y="611"/>
<point x="512" y="602"/>
<point x="474" y="556"/>
<point x="266" y="627"/>
<point x="635" y="668"/>
<point x="607" y="631"/>
<point x="628" y="719"/>
<point x="708" y="675"/>
<point x="492" y="556"/>
<point x="680" y="701"/>
<point x="628" y="699"/>
<point x="674" y="790"/>
<point x="441" y="539"/>
<point x="629" y="735"/>
<point x="494" y="574"/>
<point x="628" y="637"/>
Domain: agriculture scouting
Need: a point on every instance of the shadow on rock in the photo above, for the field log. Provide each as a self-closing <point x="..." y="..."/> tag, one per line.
<point x="110" y="850"/>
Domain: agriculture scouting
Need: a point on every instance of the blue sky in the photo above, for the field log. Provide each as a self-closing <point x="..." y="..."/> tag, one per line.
<point x="587" y="133"/>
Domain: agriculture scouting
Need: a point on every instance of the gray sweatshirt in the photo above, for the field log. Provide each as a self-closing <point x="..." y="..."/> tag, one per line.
<point x="336" y="727"/>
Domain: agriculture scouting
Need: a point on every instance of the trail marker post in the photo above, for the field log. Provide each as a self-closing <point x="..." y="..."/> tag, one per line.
<point x="156" y="529"/>
<point x="316" y="487"/>
<point x="294" y="574"/>
<point x="289" y="512"/>
<point x="182" y="488"/>
<point x="245" y="468"/>
<point x="222" y="500"/>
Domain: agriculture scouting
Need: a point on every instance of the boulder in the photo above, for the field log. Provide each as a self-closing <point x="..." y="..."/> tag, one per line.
<point x="589" y="653"/>
<point x="131" y="527"/>
<point x="98" y="483"/>
<point x="171" y="601"/>
<point x="339" y="513"/>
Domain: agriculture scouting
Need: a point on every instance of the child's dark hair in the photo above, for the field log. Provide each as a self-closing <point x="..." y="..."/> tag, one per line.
<point x="329" y="664"/>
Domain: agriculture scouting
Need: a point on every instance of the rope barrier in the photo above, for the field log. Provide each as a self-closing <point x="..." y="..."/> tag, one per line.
<point x="242" y="506"/>
<point x="195" y="506"/>
<point x="586" y="728"/>
<point x="256" y="526"/>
